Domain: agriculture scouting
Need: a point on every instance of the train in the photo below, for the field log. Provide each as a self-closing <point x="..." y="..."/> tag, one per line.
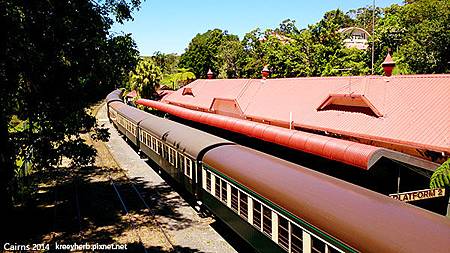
<point x="275" y="205"/>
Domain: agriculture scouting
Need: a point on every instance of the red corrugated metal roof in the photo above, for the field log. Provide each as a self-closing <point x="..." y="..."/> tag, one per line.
<point x="413" y="108"/>
<point x="348" y="152"/>
<point x="131" y="94"/>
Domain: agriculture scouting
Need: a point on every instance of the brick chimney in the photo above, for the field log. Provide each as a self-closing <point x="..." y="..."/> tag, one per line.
<point x="388" y="65"/>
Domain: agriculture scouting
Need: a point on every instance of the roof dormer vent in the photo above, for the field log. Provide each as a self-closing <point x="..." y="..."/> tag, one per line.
<point x="187" y="91"/>
<point x="349" y="103"/>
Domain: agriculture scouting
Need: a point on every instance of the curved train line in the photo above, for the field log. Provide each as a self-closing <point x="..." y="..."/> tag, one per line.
<point x="277" y="206"/>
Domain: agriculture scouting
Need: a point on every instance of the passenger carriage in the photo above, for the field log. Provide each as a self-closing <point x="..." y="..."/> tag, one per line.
<point x="176" y="148"/>
<point x="278" y="206"/>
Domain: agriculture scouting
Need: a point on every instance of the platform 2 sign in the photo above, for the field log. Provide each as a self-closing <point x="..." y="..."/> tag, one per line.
<point x="418" y="195"/>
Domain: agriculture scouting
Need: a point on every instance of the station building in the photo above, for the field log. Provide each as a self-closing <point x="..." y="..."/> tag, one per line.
<point x="386" y="133"/>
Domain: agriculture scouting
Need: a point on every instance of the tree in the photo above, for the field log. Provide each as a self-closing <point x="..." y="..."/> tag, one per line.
<point x="362" y="17"/>
<point x="167" y="62"/>
<point x="145" y="78"/>
<point x="287" y="27"/>
<point x="252" y="60"/>
<point x="176" y="80"/>
<point x="57" y="57"/>
<point x="418" y="35"/>
<point x="441" y="176"/>
<point x="203" y="52"/>
<point x="229" y="58"/>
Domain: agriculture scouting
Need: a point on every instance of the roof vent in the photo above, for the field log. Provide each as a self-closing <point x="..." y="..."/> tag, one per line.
<point x="265" y="72"/>
<point x="388" y="65"/>
<point x="187" y="91"/>
<point x="349" y="103"/>
<point x="210" y="74"/>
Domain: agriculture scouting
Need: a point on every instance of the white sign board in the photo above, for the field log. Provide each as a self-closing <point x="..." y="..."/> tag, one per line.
<point x="418" y="195"/>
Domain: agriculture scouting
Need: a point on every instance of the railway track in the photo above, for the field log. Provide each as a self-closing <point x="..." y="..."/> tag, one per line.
<point x="68" y="211"/>
<point x="147" y="209"/>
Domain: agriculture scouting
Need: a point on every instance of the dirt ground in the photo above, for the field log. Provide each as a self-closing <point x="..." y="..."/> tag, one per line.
<point x="80" y="205"/>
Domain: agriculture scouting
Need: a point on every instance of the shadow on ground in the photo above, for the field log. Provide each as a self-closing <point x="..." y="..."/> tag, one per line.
<point x="71" y="205"/>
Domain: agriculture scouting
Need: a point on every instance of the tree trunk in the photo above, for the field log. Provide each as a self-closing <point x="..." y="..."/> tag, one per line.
<point x="6" y="165"/>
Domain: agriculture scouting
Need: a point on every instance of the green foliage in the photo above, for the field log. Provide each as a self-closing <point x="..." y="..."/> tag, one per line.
<point x="362" y="17"/>
<point x="418" y="35"/>
<point x="441" y="176"/>
<point x="347" y="62"/>
<point x="203" y="52"/>
<point x="179" y="79"/>
<point x="229" y="58"/>
<point x="57" y="58"/>
<point x="167" y="62"/>
<point x="253" y="58"/>
<point x="145" y="78"/>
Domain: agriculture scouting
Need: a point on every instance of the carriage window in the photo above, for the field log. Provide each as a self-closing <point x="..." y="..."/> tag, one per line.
<point x="257" y="214"/>
<point x="296" y="239"/>
<point x="153" y="143"/>
<point x="158" y="150"/>
<point x="188" y="169"/>
<point x="317" y="246"/>
<point x="224" y="191"/>
<point x="208" y="181"/>
<point x="165" y="152"/>
<point x="332" y="250"/>
<point x="283" y="232"/>
<point x="172" y="156"/>
<point x="180" y="162"/>
<point x="243" y="205"/>
<point x="217" y="187"/>
<point x="267" y="221"/>
<point x="234" y="199"/>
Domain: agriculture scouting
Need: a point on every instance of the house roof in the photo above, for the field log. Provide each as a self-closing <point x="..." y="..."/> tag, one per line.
<point x="408" y="111"/>
<point x="352" y="29"/>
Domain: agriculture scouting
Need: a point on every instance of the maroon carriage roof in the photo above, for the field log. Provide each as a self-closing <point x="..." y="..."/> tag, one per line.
<point x="366" y="220"/>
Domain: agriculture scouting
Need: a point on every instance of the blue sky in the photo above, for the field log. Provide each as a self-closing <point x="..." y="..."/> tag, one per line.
<point x="169" y="25"/>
